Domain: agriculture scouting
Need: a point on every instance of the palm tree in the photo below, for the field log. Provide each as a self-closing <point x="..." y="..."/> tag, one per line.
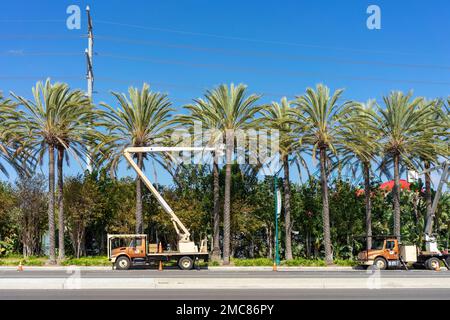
<point x="10" y="149"/>
<point x="283" y="118"/>
<point x="323" y="114"/>
<point x="359" y="149"/>
<point x="142" y="119"/>
<point x="57" y="120"/>
<point x="401" y="126"/>
<point x="198" y="117"/>
<point x="231" y="110"/>
<point x="437" y="146"/>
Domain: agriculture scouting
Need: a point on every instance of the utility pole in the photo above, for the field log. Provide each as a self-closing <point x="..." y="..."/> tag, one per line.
<point x="90" y="73"/>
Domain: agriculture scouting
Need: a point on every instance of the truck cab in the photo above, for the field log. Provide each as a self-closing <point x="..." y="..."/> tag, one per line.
<point x="384" y="253"/>
<point x="124" y="249"/>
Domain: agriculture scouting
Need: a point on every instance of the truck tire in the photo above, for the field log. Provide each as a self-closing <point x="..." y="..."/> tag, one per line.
<point x="185" y="263"/>
<point x="432" y="263"/>
<point x="380" y="263"/>
<point x="123" y="263"/>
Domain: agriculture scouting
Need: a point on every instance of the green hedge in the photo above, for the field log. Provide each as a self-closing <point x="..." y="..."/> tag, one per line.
<point x="299" y="262"/>
<point x="14" y="260"/>
<point x="87" y="261"/>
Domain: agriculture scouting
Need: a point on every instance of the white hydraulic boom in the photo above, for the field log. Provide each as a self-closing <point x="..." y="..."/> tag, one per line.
<point x="182" y="231"/>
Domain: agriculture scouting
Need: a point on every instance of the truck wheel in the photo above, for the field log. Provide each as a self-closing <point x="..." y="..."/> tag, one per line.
<point x="432" y="263"/>
<point x="123" y="263"/>
<point x="380" y="263"/>
<point x="185" y="263"/>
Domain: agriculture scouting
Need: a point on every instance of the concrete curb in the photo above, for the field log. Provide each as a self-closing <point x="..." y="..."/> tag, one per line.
<point x="56" y="268"/>
<point x="234" y="268"/>
<point x="220" y="269"/>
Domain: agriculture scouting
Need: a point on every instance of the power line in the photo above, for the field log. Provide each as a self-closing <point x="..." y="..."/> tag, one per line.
<point x="28" y="77"/>
<point x="31" y="20"/>
<point x="21" y="53"/>
<point x="225" y="37"/>
<point x="266" y="54"/>
<point x="39" y="36"/>
<point x="183" y="86"/>
<point x="289" y="73"/>
<point x="237" y="52"/>
<point x="283" y="72"/>
<point x="130" y="81"/>
<point x="218" y="36"/>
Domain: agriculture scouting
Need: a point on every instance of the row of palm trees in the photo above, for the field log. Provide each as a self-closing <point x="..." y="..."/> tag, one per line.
<point x="405" y="131"/>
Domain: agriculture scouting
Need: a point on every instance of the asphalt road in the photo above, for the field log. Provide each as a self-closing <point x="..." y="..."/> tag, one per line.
<point x="229" y="294"/>
<point x="175" y="273"/>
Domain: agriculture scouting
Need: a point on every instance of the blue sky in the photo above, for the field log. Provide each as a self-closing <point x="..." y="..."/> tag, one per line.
<point x="183" y="47"/>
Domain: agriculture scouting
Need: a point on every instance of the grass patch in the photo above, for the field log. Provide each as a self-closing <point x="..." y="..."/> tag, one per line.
<point x="14" y="256"/>
<point x="87" y="261"/>
<point x="302" y="262"/>
<point x="214" y="263"/>
<point x="259" y="262"/>
<point x="345" y="263"/>
<point x="14" y="260"/>
<point x="29" y="261"/>
<point x="298" y="262"/>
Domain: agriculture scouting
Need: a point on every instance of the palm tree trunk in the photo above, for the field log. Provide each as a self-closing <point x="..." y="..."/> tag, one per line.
<point x="428" y="188"/>
<point x="287" y="209"/>
<point x="227" y="199"/>
<point x="51" y="203"/>
<point x="396" y="196"/>
<point x="326" y="208"/>
<point x="308" y="244"/>
<point x="61" y="251"/>
<point x="368" y="201"/>
<point x="269" y="241"/>
<point x="139" y="217"/>
<point x="216" y="194"/>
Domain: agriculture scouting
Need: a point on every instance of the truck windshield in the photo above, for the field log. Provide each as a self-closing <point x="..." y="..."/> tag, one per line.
<point x="377" y="244"/>
<point x="121" y="242"/>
